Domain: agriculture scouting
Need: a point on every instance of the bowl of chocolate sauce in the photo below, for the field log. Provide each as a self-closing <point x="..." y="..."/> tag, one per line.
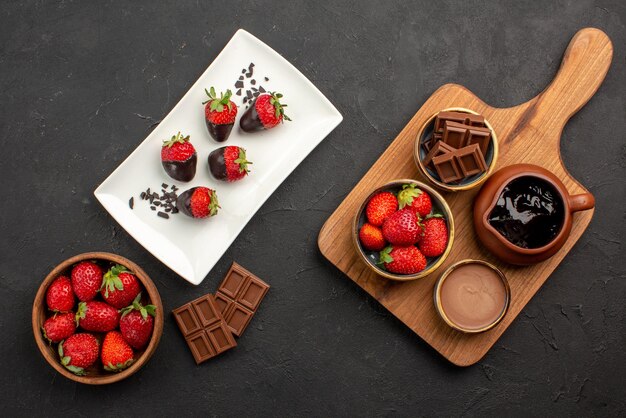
<point x="523" y="213"/>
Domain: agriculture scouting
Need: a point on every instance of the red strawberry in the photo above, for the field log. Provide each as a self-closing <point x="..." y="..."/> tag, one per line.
<point x="97" y="316"/>
<point x="136" y="323"/>
<point x="198" y="202"/>
<point x="179" y="158"/>
<point x="59" y="327"/>
<point x="86" y="280"/>
<point x="435" y="238"/>
<point x="228" y="163"/>
<point x="78" y="352"/>
<point x="265" y="112"/>
<point x="380" y="207"/>
<point x="219" y="114"/>
<point x="116" y="355"/>
<point x="402" y="228"/>
<point x="59" y="296"/>
<point x="403" y="260"/>
<point x="371" y="237"/>
<point x="416" y="199"/>
<point x="119" y="287"/>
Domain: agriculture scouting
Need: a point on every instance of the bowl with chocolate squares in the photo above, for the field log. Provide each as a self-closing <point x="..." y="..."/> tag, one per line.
<point x="456" y="149"/>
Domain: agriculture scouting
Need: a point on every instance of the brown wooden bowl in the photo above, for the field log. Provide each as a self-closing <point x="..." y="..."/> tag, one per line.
<point x="370" y="257"/>
<point x="96" y="375"/>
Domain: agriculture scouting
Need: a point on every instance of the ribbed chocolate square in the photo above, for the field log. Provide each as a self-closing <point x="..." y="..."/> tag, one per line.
<point x="204" y="328"/>
<point x="250" y="291"/>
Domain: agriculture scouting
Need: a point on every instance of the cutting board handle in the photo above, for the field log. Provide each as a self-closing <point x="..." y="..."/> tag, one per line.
<point x="584" y="66"/>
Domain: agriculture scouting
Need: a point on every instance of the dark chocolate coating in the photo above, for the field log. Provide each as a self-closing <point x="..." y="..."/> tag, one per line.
<point x="184" y="202"/>
<point x="220" y="133"/>
<point x="181" y="170"/>
<point x="217" y="166"/>
<point x="250" y="121"/>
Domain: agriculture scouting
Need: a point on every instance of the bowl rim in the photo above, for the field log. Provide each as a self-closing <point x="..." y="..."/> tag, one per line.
<point x="439" y="305"/>
<point x="404" y="277"/>
<point x="39" y="307"/>
<point x="440" y="184"/>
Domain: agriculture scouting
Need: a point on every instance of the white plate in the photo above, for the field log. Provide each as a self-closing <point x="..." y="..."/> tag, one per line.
<point x="191" y="247"/>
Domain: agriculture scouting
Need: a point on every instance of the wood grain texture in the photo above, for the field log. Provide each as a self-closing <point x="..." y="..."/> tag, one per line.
<point x="527" y="133"/>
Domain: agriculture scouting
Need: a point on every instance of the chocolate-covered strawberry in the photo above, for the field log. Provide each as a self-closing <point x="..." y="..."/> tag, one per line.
<point x="198" y="202"/>
<point x="219" y="114"/>
<point x="265" y="112"/>
<point x="179" y="158"/>
<point x="229" y="163"/>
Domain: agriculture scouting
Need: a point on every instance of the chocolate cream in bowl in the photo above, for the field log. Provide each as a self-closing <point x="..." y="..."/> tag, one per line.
<point x="473" y="296"/>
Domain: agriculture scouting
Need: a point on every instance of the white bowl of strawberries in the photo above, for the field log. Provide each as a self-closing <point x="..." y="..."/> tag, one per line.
<point x="97" y="318"/>
<point x="403" y="230"/>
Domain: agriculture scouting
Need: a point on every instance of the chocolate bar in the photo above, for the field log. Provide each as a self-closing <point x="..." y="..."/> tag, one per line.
<point x="459" y="163"/>
<point x="471" y="160"/>
<point x="204" y="328"/>
<point x="239" y="296"/>
<point x="458" y="117"/>
<point x="458" y="135"/>
<point x="439" y="148"/>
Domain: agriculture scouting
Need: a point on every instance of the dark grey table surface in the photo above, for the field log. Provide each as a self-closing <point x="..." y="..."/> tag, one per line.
<point x="82" y="85"/>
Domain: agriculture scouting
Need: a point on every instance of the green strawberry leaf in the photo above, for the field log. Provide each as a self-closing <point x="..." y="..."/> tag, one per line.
<point x="385" y="256"/>
<point x="61" y="349"/>
<point x="79" y="371"/>
<point x="242" y="162"/>
<point x="151" y="309"/>
<point x="407" y="194"/>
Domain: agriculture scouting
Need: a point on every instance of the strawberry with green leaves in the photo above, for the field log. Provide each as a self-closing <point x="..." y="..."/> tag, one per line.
<point x="137" y="323"/>
<point x="198" y="202"/>
<point x="59" y="327"/>
<point x="97" y="316"/>
<point x="219" y="114"/>
<point x="119" y="287"/>
<point x="78" y="352"/>
<point x="402" y="228"/>
<point x="265" y="112"/>
<point x="116" y="354"/>
<point x="179" y="158"/>
<point x="416" y="199"/>
<point x="402" y="260"/>
<point x="435" y="238"/>
<point x="228" y="163"/>
<point x="380" y="207"/>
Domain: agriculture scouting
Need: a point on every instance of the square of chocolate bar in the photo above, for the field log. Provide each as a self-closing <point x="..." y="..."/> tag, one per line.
<point x="439" y="148"/>
<point x="200" y="346"/>
<point x="238" y="318"/>
<point x="187" y="320"/>
<point x="471" y="160"/>
<point x="233" y="282"/>
<point x="206" y="310"/>
<point x="455" y="134"/>
<point x="480" y="136"/>
<point x="459" y="117"/>
<point x="221" y="337"/>
<point x="222" y="302"/>
<point x="253" y="292"/>
<point x="447" y="167"/>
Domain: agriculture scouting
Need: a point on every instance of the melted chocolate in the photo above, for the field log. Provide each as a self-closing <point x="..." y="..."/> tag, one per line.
<point x="219" y="132"/>
<point x="250" y="121"/>
<point x="181" y="170"/>
<point x="529" y="212"/>
<point x="184" y="202"/>
<point x="217" y="166"/>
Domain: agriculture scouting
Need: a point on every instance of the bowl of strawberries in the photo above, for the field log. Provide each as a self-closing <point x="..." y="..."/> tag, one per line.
<point x="403" y="230"/>
<point x="97" y="318"/>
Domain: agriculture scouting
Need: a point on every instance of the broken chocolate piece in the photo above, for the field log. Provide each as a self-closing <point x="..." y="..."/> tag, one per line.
<point x="471" y="160"/>
<point x="447" y="168"/>
<point x="439" y="148"/>
<point x="459" y="117"/>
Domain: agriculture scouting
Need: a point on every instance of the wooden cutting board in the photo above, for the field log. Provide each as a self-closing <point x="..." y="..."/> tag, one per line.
<point x="527" y="133"/>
